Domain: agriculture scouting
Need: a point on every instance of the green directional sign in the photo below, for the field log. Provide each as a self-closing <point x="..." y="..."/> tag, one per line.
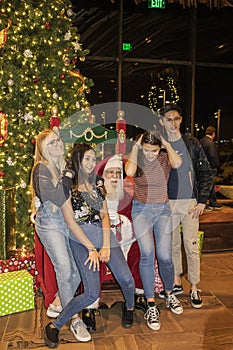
<point x="126" y="46"/>
<point x="156" y="4"/>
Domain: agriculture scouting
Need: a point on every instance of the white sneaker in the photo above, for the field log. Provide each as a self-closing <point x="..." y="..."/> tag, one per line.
<point x="173" y="304"/>
<point x="152" y="318"/>
<point x="54" y="311"/>
<point x="80" y="331"/>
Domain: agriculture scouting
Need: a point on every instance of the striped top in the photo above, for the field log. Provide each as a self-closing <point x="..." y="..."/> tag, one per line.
<point x="151" y="187"/>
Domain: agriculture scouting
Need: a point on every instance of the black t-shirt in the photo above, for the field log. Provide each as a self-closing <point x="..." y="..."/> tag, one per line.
<point x="45" y="189"/>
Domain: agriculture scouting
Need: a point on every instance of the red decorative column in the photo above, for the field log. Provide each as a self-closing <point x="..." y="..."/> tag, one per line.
<point x="121" y="131"/>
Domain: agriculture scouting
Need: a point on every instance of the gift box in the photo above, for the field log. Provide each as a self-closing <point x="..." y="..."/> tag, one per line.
<point x="16" y="292"/>
<point x="21" y="263"/>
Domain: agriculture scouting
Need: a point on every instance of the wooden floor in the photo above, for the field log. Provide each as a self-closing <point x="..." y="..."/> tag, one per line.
<point x="208" y="328"/>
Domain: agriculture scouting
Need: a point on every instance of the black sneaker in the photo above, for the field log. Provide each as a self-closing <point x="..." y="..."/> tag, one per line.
<point x="51" y="336"/>
<point x="176" y="290"/>
<point x="140" y="303"/>
<point x="215" y="207"/>
<point x="127" y="317"/>
<point x="174" y="304"/>
<point x="208" y="208"/>
<point x="152" y="318"/>
<point x="88" y="317"/>
<point x="195" y="298"/>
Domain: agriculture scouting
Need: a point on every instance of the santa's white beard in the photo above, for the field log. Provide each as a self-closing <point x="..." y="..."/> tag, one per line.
<point x="115" y="187"/>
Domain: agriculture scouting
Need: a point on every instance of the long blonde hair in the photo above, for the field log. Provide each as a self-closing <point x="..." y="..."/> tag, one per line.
<point x="43" y="156"/>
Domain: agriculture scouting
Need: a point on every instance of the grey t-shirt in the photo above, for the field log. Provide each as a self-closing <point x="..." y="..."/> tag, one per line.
<point x="180" y="180"/>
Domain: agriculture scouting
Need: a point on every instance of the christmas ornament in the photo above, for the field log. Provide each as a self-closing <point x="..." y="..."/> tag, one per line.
<point x="54" y="120"/>
<point x="28" y="117"/>
<point x="77" y="46"/>
<point x="66" y="60"/>
<point x="23" y="184"/>
<point x="62" y="76"/>
<point x="82" y="59"/>
<point x="47" y="25"/>
<point x="80" y="77"/>
<point x="41" y="113"/>
<point x="70" y="12"/>
<point x="10" y="161"/>
<point x="55" y="95"/>
<point x="28" y="53"/>
<point x="36" y="80"/>
<point x="10" y="82"/>
<point x="77" y="104"/>
<point x="3" y="127"/>
<point x="2" y="174"/>
<point x="67" y="36"/>
<point x="3" y="34"/>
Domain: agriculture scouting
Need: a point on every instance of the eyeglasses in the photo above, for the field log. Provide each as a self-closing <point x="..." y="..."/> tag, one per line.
<point x="54" y="143"/>
<point x="171" y="120"/>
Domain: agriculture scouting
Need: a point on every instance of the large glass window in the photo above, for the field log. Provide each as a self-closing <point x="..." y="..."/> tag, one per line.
<point x="179" y="51"/>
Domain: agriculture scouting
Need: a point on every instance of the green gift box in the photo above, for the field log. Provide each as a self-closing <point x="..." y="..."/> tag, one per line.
<point x="16" y="292"/>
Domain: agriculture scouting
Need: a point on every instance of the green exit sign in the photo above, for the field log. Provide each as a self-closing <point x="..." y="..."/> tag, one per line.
<point x="126" y="46"/>
<point x="156" y="4"/>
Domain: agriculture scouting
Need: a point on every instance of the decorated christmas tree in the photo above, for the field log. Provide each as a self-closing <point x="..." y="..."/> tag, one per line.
<point x="39" y="69"/>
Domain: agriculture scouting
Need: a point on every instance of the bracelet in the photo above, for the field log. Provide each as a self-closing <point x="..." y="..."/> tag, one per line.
<point x="92" y="250"/>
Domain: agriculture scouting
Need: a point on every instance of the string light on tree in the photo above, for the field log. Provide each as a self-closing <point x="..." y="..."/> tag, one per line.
<point x="39" y="46"/>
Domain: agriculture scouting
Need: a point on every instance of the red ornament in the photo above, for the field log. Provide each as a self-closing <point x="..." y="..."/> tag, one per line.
<point x="74" y="60"/>
<point x="21" y="144"/>
<point x="62" y="76"/>
<point x="47" y="25"/>
<point x="2" y="174"/>
<point x="41" y="113"/>
<point x="33" y="141"/>
<point x="3" y="127"/>
<point x="36" y="80"/>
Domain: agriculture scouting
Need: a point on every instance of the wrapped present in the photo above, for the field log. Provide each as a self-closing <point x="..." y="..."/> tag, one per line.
<point x="16" y="264"/>
<point x="16" y="292"/>
<point x="21" y="263"/>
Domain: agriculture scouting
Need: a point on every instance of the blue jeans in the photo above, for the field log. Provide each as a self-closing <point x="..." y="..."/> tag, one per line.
<point x="90" y="279"/>
<point x="153" y="228"/>
<point x="54" y="235"/>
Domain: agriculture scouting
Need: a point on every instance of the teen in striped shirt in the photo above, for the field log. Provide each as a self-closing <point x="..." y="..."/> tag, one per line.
<point x="150" y="162"/>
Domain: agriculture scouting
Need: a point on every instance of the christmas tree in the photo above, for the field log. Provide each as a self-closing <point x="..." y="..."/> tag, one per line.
<point x="40" y="54"/>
